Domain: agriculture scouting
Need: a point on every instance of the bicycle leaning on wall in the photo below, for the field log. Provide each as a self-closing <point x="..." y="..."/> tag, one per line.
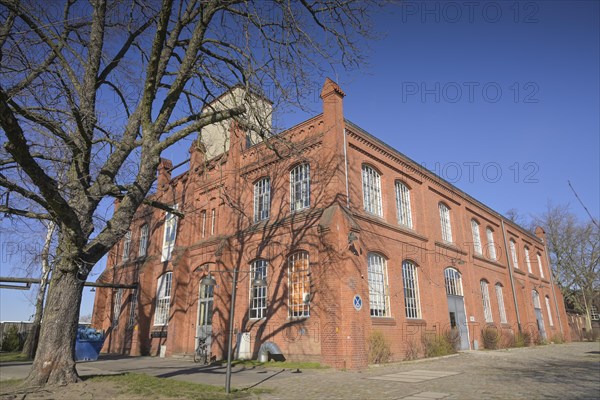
<point x="202" y="354"/>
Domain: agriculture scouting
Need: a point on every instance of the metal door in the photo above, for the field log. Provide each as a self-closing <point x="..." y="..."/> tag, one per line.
<point x="458" y="319"/>
<point x="205" y="312"/>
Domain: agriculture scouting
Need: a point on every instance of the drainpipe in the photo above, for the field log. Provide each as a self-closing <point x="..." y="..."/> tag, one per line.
<point x="510" y="274"/>
<point x="346" y="170"/>
<point x="552" y="287"/>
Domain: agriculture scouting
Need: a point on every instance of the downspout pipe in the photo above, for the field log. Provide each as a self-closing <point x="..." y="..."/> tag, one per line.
<point x="510" y="274"/>
<point x="346" y="170"/>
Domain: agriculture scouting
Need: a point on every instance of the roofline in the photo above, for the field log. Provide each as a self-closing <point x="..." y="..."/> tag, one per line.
<point x="442" y="180"/>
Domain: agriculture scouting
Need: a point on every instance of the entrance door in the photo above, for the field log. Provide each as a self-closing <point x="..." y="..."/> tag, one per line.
<point x="456" y="306"/>
<point x="538" y="314"/>
<point x="205" y="311"/>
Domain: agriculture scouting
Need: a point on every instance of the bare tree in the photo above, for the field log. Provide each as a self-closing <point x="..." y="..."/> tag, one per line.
<point x="574" y="249"/>
<point x="101" y="88"/>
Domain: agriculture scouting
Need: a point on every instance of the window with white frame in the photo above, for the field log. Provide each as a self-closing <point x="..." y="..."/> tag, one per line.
<point x="371" y="191"/>
<point x="412" y="303"/>
<point x="445" y="222"/>
<point x="203" y="223"/>
<point x="300" y="187"/>
<point x="453" y="281"/>
<point x="143" y="247"/>
<point x="403" y="205"/>
<point x="490" y="243"/>
<point x="541" y="267"/>
<point x="170" y="234"/>
<point x="163" y="299"/>
<point x="213" y="221"/>
<point x="536" y="299"/>
<point x="379" y="297"/>
<point x="513" y="253"/>
<point x="262" y="199"/>
<point x="549" y="311"/>
<point x="117" y="298"/>
<point x="476" y="237"/>
<point x="485" y="297"/>
<point x="594" y="315"/>
<point x="126" y="246"/>
<point x="500" y="298"/>
<point x="527" y="260"/>
<point x="299" y="285"/>
<point x="258" y="294"/>
<point x="133" y="305"/>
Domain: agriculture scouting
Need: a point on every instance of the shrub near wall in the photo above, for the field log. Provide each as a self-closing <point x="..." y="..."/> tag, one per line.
<point x="379" y="348"/>
<point x="12" y="341"/>
<point x="437" y="345"/>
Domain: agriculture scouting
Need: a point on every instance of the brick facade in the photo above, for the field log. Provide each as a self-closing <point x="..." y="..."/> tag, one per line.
<point x="218" y="231"/>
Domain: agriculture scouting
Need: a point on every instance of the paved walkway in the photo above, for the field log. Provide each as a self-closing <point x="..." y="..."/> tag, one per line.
<point x="569" y="371"/>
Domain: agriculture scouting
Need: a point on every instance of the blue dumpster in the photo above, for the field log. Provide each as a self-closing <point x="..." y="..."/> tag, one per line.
<point x="88" y="344"/>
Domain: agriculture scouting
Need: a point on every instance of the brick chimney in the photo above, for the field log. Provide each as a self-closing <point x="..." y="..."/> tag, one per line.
<point x="164" y="173"/>
<point x="539" y="232"/>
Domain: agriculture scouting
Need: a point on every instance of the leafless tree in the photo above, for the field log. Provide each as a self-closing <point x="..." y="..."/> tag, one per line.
<point x="101" y="88"/>
<point x="574" y="248"/>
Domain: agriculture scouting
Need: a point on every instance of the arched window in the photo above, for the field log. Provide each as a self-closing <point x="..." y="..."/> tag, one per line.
<point x="536" y="299"/>
<point x="485" y="297"/>
<point x="170" y="235"/>
<point x="163" y="299"/>
<point x="476" y="237"/>
<point x="490" y="242"/>
<point x="379" y="296"/>
<point x="500" y="298"/>
<point x="299" y="285"/>
<point x="445" y="222"/>
<point x="300" y="187"/>
<point x="371" y="191"/>
<point x="403" y="204"/>
<point x="412" y="303"/>
<point x="133" y="307"/>
<point x="527" y="260"/>
<point x="258" y="294"/>
<point x="513" y="253"/>
<point x="453" y="282"/>
<point x="143" y="247"/>
<point x="126" y="246"/>
<point x="262" y="199"/>
<point x="549" y="311"/>
<point x="539" y="260"/>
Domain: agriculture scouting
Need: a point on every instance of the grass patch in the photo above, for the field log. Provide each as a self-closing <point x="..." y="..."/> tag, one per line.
<point x="153" y="387"/>
<point x="9" y="384"/>
<point x="13" y="356"/>
<point x="277" y="364"/>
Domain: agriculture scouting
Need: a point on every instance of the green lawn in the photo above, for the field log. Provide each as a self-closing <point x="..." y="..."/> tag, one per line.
<point x="152" y="387"/>
<point x="15" y="356"/>
<point x="278" y="364"/>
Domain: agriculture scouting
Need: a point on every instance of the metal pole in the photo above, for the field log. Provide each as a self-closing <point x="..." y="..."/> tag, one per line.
<point x="230" y="344"/>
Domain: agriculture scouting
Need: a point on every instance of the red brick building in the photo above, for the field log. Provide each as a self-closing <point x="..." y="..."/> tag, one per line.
<point x="350" y="235"/>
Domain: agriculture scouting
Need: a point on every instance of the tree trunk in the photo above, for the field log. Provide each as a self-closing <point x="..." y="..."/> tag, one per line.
<point x="54" y="362"/>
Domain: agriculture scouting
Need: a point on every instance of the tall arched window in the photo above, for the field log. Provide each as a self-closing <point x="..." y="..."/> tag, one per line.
<point x="500" y="298"/>
<point x="126" y="246"/>
<point x="299" y="285"/>
<point x="262" y="199"/>
<point x="300" y="187"/>
<point x="258" y="294"/>
<point x="403" y="205"/>
<point x="445" y="222"/>
<point x="476" y="237"/>
<point x="371" y="190"/>
<point x="453" y="282"/>
<point x="170" y="234"/>
<point x="490" y="242"/>
<point x="163" y="299"/>
<point x="541" y="267"/>
<point x="379" y="296"/>
<point x="117" y="300"/>
<point x="412" y="303"/>
<point x="513" y="253"/>
<point x="527" y="260"/>
<point x="485" y="297"/>
<point x="549" y="311"/>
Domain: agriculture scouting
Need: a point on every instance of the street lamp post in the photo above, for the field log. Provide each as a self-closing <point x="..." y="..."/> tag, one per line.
<point x="210" y="281"/>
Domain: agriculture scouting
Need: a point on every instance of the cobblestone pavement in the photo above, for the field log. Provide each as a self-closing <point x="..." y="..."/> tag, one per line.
<point x="568" y="371"/>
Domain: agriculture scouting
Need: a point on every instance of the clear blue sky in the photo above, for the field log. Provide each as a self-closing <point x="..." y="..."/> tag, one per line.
<point x="501" y="98"/>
